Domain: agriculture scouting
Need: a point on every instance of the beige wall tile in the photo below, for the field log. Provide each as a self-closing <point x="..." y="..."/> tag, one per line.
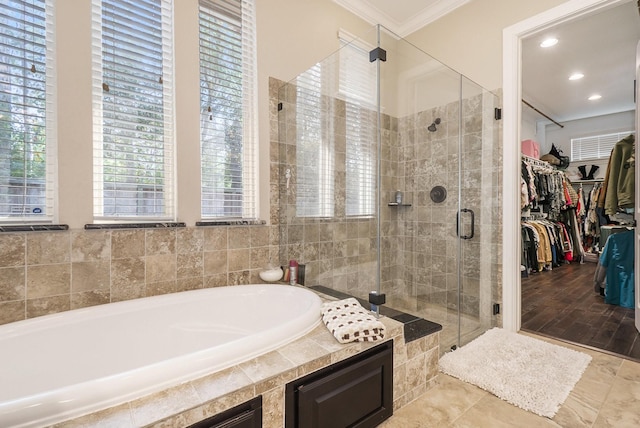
<point x="161" y="287"/>
<point x="12" y="283"/>
<point x="94" y="275"/>
<point x="128" y="291"/>
<point x="239" y="237"/>
<point x="259" y="258"/>
<point x="189" y="240"/>
<point x="215" y="238"/>
<point x="48" y="280"/>
<point x="12" y="249"/>
<point x="48" y="305"/>
<point x="161" y="268"/>
<point x="48" y="248"/>
<point x="239" y="278"/>
<point x="12" y="311"/>
<point x="85" y="299"/>
<point x="219" y="280"/>
<point x="239" y="259"/>
<point x="190" y="265"/>
<point x="259" y="236"/>
<point x="186" y="284"/>
<point x="126" y="272"/>
<point x="215" y="262"/>
<point x="87" y="245"/>
<point x="127" y="244"/>
<point x="160" y="241"/>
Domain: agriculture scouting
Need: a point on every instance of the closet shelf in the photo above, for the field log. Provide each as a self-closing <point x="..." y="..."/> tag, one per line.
<point x="595" y="180"/>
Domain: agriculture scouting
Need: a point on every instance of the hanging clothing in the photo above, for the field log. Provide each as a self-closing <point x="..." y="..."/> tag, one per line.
<point x="621" y="177"/>
<point x="617" y="257"/>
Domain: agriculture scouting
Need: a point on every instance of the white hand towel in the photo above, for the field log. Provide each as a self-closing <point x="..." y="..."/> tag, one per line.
<point x="348" y="321"/>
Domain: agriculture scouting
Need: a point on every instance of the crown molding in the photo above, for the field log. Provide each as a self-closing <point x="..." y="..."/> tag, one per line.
<point x="425" y="15"/>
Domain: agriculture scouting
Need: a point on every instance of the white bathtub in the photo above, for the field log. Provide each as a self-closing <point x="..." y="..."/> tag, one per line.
<point x="60" y="366"/>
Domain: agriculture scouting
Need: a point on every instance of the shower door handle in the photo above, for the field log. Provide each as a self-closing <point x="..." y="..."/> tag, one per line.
<point x="473" y="223"/>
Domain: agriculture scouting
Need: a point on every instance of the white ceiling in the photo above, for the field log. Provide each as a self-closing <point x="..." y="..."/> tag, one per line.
<point x="601" y="46"/>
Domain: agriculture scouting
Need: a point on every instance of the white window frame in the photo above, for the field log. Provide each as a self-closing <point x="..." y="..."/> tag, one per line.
<point x="249" y="171"/>
<point x="48" y="212"/>
<point x="169" y="187"/>
<point x="595" y="146"/>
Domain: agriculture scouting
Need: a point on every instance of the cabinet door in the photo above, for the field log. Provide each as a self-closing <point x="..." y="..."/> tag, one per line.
<point x="246" y="415"/>
<point x="357" y="394"/>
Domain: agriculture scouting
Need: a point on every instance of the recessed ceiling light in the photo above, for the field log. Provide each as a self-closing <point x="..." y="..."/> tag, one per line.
<point x="576" y="76"/>
<point x="548" y="43"/>
<point x="594" y="97"/>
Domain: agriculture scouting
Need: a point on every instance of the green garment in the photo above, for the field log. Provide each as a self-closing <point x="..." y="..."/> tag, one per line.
<point x="620" y="186"/>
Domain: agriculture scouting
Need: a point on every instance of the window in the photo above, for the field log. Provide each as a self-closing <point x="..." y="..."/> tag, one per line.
<point x="315" y="155"/>
<point x="133" y="117"/>
<point x="358" y="86"/>
<point x="595" y="147"/>
<point x="27" y="125"/>
<point x="227" y="101"/>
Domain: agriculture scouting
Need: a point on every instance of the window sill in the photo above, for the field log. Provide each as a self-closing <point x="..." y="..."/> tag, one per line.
<point x="33" y="227"/>
<point x="207" y="223"/>
<point x="133" y="225"/>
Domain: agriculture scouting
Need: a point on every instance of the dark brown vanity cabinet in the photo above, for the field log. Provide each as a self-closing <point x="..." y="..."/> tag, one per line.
<point x="246" y="415"/>
<point x="357" y="392"/>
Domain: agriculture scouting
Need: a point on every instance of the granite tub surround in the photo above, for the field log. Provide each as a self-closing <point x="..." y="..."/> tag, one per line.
<point x="415" y="370"/>
<point x="53" y="271"/>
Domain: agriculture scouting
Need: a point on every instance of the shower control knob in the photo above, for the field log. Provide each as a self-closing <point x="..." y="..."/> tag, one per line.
<point x="438" y="194"/>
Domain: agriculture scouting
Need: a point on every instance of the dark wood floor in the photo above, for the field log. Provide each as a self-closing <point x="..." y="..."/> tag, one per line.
<point x="561" y="303"/>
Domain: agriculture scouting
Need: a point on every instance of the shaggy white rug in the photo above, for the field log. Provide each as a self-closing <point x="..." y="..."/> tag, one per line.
<point x="534" y="375"/>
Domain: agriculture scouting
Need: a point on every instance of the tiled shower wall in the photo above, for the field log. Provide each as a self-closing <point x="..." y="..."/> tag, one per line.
<point x="419" y="248"/>
<point x="338" y="252"/>
<point x="427" y="230"/>
<point x="48" y="272"/>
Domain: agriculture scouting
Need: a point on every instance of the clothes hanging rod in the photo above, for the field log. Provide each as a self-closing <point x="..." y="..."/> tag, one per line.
<point x="538" y="111"/>
<point x="539" y="163"/>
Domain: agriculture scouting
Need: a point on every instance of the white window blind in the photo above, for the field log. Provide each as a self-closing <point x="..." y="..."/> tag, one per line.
<point x="133" y="116"/>
<point x="360" y="160"/>
<point x="228" y="105"/>
<point x="314" y="147"/>
<point x="595" y="147"/>
<point x="358" y="76"/>
<point x="358" y="86"/>
<point x="27" y="106"/>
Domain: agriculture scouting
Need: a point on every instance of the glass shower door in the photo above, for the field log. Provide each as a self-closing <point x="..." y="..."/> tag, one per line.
<point x="478" y="216"/>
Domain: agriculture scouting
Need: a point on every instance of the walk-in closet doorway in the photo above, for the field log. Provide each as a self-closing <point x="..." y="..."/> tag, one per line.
<point x="561" y="302"/>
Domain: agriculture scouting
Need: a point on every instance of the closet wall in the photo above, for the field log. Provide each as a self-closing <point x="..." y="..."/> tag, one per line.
<point x="606" y="124"/>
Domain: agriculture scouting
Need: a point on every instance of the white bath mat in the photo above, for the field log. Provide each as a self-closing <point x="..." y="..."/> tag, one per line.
<point x="532" y="374"/>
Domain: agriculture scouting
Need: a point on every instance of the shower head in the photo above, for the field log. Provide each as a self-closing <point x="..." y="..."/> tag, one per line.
<point x="432" y="127"/>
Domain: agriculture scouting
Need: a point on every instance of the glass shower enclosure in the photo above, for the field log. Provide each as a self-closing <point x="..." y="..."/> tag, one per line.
<point x="388" y="169"/>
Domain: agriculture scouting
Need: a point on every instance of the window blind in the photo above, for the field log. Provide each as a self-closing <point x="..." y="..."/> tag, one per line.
<point x="133" y="117"/>
<point x="595" y="147"/>
<point x="314" y="148"/>
<point x="358" y="86"/>
<point x="360" y="160"/>
<point x="27" y="122"/>
<point x="228" y="104"/>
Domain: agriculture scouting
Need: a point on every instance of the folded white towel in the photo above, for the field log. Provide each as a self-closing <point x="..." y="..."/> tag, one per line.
<point x="348" y="321"/>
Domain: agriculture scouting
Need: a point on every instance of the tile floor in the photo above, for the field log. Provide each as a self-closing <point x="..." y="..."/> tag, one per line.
<point x="607" y="395"/>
